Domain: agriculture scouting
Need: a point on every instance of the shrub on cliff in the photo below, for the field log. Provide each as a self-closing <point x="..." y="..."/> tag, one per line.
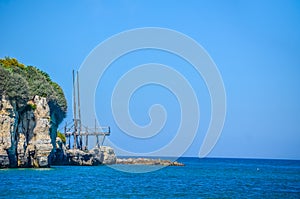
<point x="62" y="137"/>
<point x="13" y="85"/>
<point x="22" y="83"/>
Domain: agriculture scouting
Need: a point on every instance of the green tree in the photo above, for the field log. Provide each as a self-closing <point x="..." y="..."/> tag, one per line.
<point x="22" y="83"/>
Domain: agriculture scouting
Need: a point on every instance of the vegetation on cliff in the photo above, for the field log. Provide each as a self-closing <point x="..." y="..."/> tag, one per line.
<point x="62" y="137"/>
<point x="21" y="83"/>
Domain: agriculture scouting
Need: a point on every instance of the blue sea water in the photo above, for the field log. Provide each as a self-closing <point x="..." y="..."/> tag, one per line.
<point x="200" y="178"/>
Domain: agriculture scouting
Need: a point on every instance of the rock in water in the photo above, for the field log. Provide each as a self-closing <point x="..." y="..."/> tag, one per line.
<point x="93" y="157"/>
<point x="109" y="156"/>
<point x="59" y="157"/>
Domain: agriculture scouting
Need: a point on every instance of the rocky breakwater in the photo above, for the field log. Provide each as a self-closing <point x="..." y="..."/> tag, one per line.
<point x="147" y="161"/>
<point x="24" y="133"/>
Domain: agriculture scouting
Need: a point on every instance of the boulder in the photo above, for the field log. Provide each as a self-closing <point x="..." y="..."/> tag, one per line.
<point x="109" y="156"/>
<point x="93" y="157"/>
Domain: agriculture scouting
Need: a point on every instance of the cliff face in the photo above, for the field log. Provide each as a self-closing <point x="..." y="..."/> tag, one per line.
<point x="25" y="139"/>
<point x="28" y="138"/>
<point x="7" y="130"/>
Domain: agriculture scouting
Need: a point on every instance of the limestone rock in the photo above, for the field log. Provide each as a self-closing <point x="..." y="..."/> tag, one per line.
<point x="7" y="121"/>
<point x="24" y="133"/>
<point x="59" y="156"/>
<point x="85" y="158"/>
<point x="109" y="156"/>
<point x="41" y="137"/>
<point x="93" y="157"/>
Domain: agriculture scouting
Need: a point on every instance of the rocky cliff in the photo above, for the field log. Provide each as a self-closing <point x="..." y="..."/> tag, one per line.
<point x="24" y="133"/>
<point x="28" y="122"/>
<point x="26" y="139"/>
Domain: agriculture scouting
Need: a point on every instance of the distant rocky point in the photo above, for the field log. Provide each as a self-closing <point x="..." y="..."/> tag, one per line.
<point x="147" y="161"/>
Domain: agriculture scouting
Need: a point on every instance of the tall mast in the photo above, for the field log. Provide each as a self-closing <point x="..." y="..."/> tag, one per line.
<point x="97" y="138"/>
<point x="79" y="115"/>
<point x="74" y="112"/>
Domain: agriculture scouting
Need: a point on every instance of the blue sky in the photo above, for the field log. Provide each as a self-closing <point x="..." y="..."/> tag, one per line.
<point x="255" y="44"/>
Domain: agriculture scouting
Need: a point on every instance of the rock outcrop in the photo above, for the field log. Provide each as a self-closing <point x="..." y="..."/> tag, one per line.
<point x="59" y="155"/>
<point x="93" y="157"/>
<point x="24" y="133"/>
<point x="109" y="156"/>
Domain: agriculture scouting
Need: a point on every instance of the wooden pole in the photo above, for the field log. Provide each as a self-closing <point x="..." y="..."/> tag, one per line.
<point x="74" y="112"/>
<point x="65" y="129"/>
<point x="79" y="114"/>
<point x="102" y="141"/>
<point x="108" y="128"/>
<point x="97" y="138"/>
<point x="67" y="136"/>
<point x="86" y="138"/>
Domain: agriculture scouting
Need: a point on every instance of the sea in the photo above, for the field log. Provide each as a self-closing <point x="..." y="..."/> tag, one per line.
<point x="199" y="178"/>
